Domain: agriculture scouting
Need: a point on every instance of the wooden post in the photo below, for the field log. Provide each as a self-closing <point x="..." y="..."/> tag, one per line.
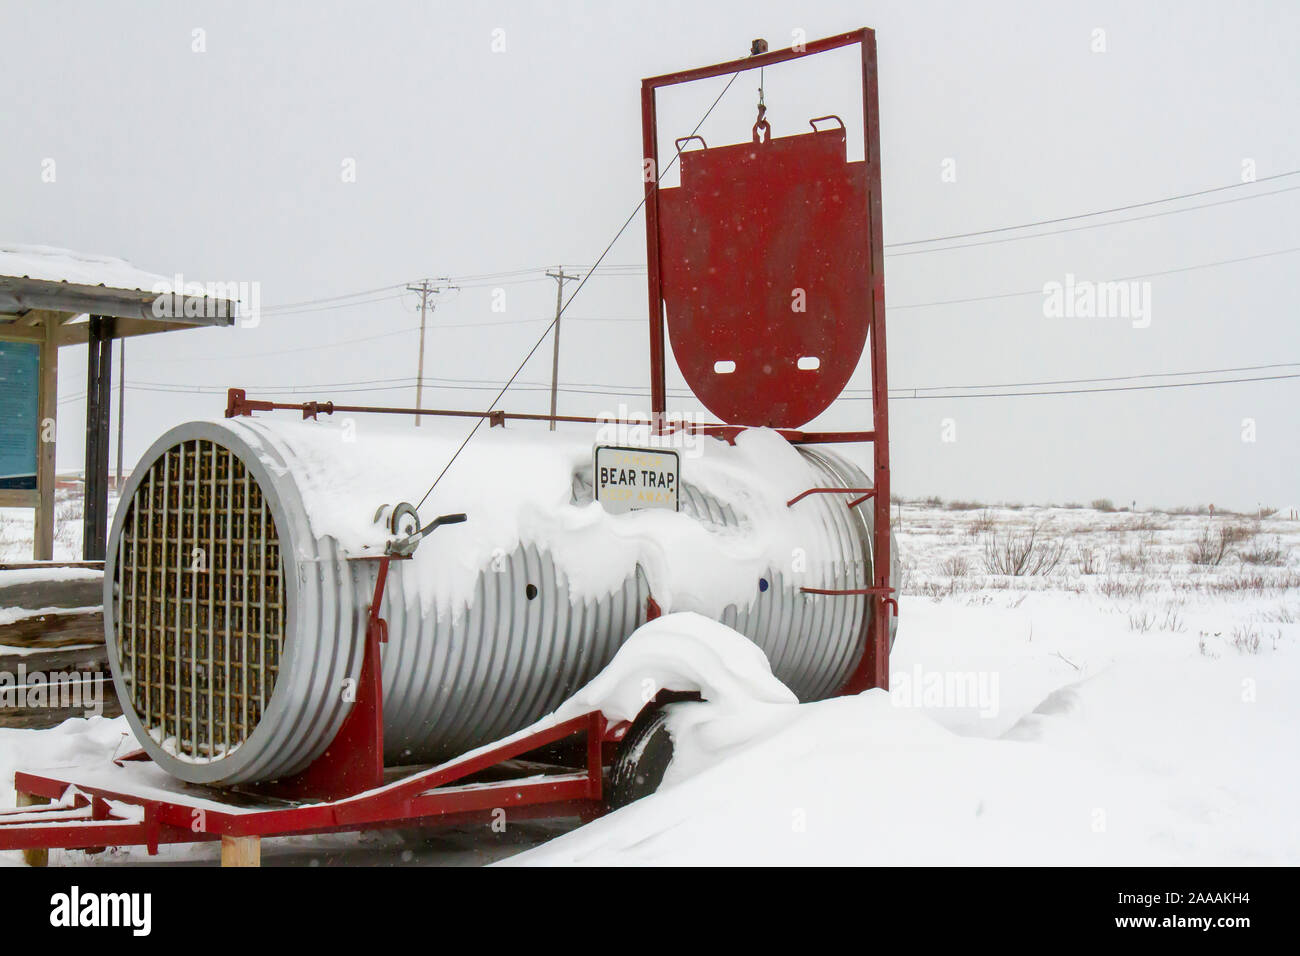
<point x="33" y="857"/>
<point x="99" y="378"/>
<point x="47" y="414"/>
<point x="241" y="851"/>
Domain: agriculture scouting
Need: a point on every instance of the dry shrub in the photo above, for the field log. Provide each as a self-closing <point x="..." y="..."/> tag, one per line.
<point x="983" y="524"/>
<point x="1245" y="640"/>
<point x="1118" y="588"/>
<point x="1215" y="542"/>
<point x="1261" y="552"/>
<point x="1017" y="553"/>
<point x="955" y="566"/>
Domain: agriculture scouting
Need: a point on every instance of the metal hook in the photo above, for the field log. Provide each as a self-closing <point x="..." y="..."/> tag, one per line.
<point x="762" y="124"/>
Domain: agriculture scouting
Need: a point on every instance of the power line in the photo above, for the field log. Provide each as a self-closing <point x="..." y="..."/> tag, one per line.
<point x="495" y="383"/>
<point x="613" y="390"/>
<point x="1144" y="275"/>
<point x="1112" y="378"/>
<point x="581" y="284"/>
<point x="1095" y="225"/>
<point x="334" y="298"/>
<point x="1086" y="215"/>
<point x="629" y="270"/>
<point x="1082" y="391"/>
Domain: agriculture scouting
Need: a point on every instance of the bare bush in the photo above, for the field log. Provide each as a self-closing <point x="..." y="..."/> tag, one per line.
<point x="1214" y="543"/>
<point x="1141" y="620"/>
<point x="1245" y="640"/>
<point x="1139" y="559"/>
<point x="983" y="524"/>
<point x="1104" y="504"/>
<point x="1283" y="615"/>
<point x="1088" y="560"/>
<point x="1273" y="555"/>
<point x="955" y="566"/>
<point x="964" y="505"/>
<point x="1257" y="582"/>
<point x="1018" y="553"/>
<point x="1118" y="588"/>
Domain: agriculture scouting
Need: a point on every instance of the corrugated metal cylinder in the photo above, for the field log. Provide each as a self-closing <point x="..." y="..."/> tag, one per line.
<point x="235" y="633"/>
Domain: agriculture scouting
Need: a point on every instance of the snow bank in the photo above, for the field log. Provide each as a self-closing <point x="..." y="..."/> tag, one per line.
<point x="16" y="576"/>
<point x="689" y="652"/>
<point x="1106" y="747"/>
<point x="683" y="652"/>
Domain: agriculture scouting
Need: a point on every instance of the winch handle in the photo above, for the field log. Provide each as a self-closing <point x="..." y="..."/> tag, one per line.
<point x="686" y="139"/>
<point x="405" y="545"/>
<point x="819" y="119"/>
<point x="438" y="522"/>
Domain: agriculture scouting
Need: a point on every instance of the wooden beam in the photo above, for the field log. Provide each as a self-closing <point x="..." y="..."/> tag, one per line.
<point x="33" y="857"/>
<point x="19" y="498"/>
<point x="241" y="851"/>
<point x="21" y="333"/>
<point x="79" y="332"/>
<point x="46" y="417"/>
<point x="40" y="316"/>
<point x="99" y="385"/>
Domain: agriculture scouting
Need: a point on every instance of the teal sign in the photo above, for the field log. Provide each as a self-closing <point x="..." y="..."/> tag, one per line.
<point x="20" y="370"/>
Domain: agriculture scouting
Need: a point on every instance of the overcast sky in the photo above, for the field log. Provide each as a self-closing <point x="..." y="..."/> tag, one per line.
<point x="213" y="140"/>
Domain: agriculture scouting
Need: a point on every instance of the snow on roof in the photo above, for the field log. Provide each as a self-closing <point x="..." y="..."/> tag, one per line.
<point x="52" y="264"/>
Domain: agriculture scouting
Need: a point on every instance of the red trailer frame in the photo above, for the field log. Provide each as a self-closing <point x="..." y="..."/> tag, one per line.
<point x="348" y="788"/>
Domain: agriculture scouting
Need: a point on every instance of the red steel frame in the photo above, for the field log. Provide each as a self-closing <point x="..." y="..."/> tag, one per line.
<point x="344" y="789"/>
<point x="873" y="668"/>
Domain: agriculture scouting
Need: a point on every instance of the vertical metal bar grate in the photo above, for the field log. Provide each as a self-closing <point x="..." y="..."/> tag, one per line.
<point x="201" y="612"/>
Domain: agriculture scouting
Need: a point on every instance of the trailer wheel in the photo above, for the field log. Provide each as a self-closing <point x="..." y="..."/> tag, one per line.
<point x="642" y="760"/>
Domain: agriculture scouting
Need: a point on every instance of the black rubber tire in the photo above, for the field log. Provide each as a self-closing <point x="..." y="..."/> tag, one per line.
<point x="642" y="760"/>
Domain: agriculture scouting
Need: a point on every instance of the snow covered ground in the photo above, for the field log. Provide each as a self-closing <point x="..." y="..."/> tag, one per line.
<point x="1133" y="704"/>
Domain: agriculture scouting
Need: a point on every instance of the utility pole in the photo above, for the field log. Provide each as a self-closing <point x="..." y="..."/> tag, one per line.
<point x="426" y="288"/>
<point x="560" y="279"/>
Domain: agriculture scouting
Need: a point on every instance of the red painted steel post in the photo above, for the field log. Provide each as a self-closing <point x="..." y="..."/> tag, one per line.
<point x="650" y="173"/>
<point x="354" y="760"/>
<point x="877" y="674"/>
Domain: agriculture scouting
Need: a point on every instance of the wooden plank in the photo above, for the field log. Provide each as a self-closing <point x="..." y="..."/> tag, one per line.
<point x="68" y="593"/>
<point x="55" y="629"/>
<point x="89" y="661"/>
<point x="33" y="857"/>
<point x="92" y="659"/>
<point x="19" y="498"/>
<point x="47" y="414"/>
<point x="13" y="332"/>
<point x="241" y="851"/>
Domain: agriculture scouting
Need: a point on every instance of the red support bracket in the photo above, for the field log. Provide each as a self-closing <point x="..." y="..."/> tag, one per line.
<point x="354" y="760"/>
<point x="845" y="592"/>
<point x="864" y="492"/>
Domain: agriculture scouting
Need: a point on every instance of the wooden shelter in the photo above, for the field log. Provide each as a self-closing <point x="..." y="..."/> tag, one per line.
<point x="51" y="298"/>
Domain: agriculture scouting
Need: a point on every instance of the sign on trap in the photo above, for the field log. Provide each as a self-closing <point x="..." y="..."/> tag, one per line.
<point x="632" y="479"/>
